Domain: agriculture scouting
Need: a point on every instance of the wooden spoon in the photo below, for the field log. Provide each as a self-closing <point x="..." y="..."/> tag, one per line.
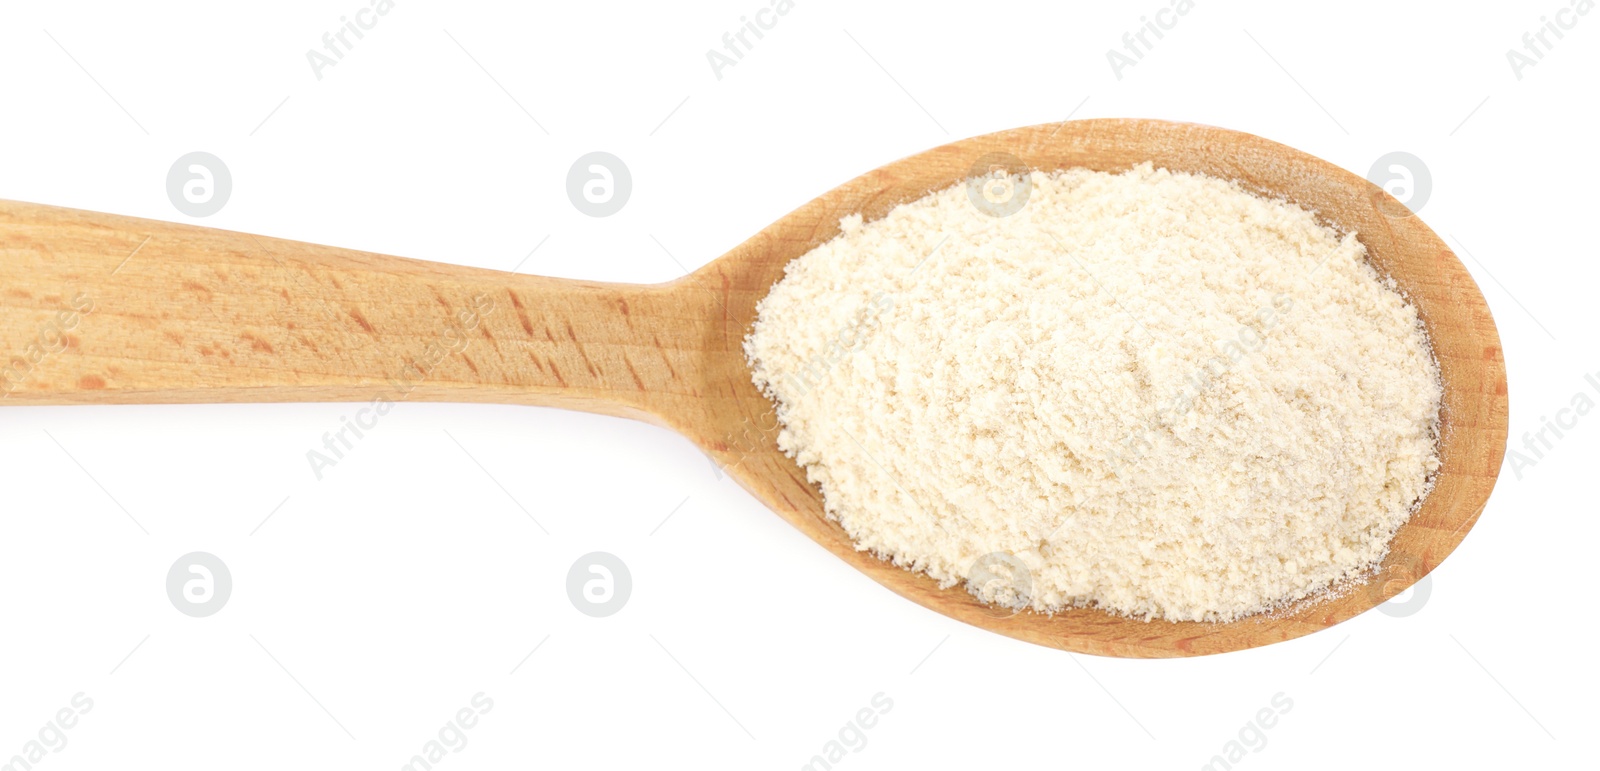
<point x="103" y="309"/>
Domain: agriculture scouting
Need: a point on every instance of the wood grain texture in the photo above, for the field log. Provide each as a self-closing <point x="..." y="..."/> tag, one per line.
<point x="98" y="308"/>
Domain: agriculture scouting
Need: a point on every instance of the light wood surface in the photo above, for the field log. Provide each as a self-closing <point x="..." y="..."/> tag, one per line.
<point x="98" y="309"/>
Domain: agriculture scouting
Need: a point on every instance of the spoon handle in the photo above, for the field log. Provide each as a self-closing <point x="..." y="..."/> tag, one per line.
<point x="98" y="308"/>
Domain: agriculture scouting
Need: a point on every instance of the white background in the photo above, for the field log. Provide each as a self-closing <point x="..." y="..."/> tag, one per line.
<point x="373" y="604"/>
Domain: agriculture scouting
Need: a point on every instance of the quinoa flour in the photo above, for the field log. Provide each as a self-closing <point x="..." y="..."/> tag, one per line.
<point x="1150" y="392"/>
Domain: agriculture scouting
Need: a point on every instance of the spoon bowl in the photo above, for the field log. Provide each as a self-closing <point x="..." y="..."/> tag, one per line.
<point x="98" y="308"/>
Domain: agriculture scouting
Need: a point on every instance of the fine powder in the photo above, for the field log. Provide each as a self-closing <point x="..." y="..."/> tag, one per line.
<point x="1154" y="393"/>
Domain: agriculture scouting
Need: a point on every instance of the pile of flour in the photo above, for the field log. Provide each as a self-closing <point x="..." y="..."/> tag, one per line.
<point x="1151" y="392"/>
